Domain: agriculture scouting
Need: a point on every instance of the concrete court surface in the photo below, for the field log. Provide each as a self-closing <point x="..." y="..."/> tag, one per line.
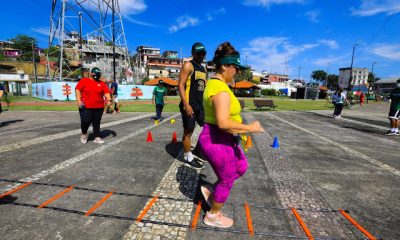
<point x="322" y="165"/>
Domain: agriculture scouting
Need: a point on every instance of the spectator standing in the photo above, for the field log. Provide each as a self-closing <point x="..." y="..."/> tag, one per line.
<point x="1" y="95"/>
<point x="340" y="100"/>
<point x="217" y="140"/>
<point x="89" y="98"/>
<point x="159" y="98"/>
<point x="192" y="81"/>
<point x="114" y="94"/>
<point x="394" y="112"/>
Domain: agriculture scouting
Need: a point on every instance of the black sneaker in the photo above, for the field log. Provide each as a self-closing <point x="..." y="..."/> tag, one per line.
<point x="390" y="133"/>
<point x="198" y="155"/>
<point x="194" y="164"/>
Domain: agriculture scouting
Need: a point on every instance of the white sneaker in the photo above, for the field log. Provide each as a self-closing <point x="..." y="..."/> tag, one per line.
<point x="83" y="138"/>
<point x="98" y="140"/>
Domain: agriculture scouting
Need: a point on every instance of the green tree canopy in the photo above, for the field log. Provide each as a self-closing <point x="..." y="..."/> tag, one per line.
<point x="333" y="81"/>
<point x="244" y="75"/>
<point x="319" y="75"/>
<point x="24" y="43"/>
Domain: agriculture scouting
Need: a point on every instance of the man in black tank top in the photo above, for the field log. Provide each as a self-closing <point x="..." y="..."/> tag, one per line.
<point x="192" y="82"/>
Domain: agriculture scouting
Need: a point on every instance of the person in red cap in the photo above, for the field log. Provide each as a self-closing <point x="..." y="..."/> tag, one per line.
<point x="89" y="98"/>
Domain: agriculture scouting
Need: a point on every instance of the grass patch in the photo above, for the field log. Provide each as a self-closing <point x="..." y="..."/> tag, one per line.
<point x="283" y="104"/>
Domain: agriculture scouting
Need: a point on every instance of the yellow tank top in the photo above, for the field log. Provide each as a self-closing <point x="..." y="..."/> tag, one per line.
<point x="213" y="87"/>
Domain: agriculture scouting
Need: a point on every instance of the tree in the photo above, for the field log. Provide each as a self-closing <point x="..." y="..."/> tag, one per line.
<point x="244" y="75"/>
<point x="52" y="51"/>
<point x="333" y="81"/>
<point x="24" y="43"/>
<point x="372" y="78"/>
<point x="319" y="75"/>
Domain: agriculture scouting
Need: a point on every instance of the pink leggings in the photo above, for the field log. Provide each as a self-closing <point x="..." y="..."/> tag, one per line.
<point x="225" y="157"/>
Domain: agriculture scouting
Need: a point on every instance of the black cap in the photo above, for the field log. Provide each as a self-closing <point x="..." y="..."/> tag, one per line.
<point x="198" y="47"/>
<point x="160" y="82"/>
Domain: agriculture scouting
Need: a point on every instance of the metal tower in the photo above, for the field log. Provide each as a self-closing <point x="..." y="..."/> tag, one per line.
<point x="86" y="34"/>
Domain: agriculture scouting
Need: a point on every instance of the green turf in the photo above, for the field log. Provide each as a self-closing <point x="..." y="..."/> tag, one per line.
<point x="283" y="104"/>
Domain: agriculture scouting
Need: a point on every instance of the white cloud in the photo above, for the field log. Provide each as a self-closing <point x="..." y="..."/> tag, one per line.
<point x="130" y="7"/>
<point x="330" y="60"/>
<point x="139" y="22"/>
<point x="268" y="3"/>
<point x="183" y="22"/>
<point x="41" y="30"/>
<point x="212" y="15"/>
<point x="388" y="51"/>
<point x="313" y="15"/>
<point x="373" y="7"/>
<point x="264" y="52"/>
<point x="330" y="43"/>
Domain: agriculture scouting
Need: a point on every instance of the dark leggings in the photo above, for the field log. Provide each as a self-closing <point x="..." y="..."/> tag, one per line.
<point x="91" y="116"/>
<point x="159" y="108"/>
<point x="338" y="109"/>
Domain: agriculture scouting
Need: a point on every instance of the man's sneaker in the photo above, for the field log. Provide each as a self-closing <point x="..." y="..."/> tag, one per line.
<point x="217" y="220"/>
<point x="206" y="191"/>
<point x="390" y="133"/>
<point x="198" y="155"/>
<point x="83" y="138"/>
<point x="98" y="140"/>
<point x="194" y="164"/>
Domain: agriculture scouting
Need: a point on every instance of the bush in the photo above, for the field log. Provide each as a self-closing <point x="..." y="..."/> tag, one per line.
<point x="269" y="92"/>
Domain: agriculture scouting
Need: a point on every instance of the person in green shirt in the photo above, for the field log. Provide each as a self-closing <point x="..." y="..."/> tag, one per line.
<point x="160" y="99"/>
<point x="394" y="112"/>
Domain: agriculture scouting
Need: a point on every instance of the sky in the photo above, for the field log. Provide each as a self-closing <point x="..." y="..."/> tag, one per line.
<point x="295" y="37"/>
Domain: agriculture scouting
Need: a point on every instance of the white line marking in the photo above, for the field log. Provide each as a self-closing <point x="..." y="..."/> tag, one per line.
<point x="81" y="157"/>
<point x="30" y="142"/>
<point x="355" y="121"/>
<point x="349" y="150"/>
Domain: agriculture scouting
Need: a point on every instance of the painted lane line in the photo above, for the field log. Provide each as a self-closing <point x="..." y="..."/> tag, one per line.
<point x="196" y="216"/>
<point x="249" y="220"/>
<point x="57" y="196"/>
<point x="302" y="224"/>
<point x="358" y="226"/>
<point x="15" y="189"/>
<point x="98" y="204"/>
<point x="30" y="142"/>
<point x="344" y="148"/>
<point x="355" y="121"/>
<point x="76" y="159"/>
<point x="146" y="209"/>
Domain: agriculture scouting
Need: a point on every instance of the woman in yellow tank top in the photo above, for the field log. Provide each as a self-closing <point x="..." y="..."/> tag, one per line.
<point x="217" y="140"/>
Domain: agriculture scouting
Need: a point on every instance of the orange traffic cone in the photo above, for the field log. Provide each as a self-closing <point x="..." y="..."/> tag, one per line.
<point x="249" y="144"/>
<point x="149" y="137"/>
<point x="174" y="140"/>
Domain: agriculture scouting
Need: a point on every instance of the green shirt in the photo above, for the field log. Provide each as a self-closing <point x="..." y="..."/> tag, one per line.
<point x="395" y="98"/>
<point x="159" y="93"/>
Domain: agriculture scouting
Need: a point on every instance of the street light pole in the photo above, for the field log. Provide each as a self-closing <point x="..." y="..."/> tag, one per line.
<point x="351" y="68"/>
<point x="372" y="70"/>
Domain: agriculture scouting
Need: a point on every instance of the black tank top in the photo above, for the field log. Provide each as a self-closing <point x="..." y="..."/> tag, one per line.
<point x="195" y="85"/>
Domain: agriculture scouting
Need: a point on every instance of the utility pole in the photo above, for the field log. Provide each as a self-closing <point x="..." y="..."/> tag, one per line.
<point x="80" y="39"/>
<point x="113" y="38"/>
<point x="62" y="39"/>
<point x="327" y="74"/>
<point x="34" y="63"/>
<point x="299" y="72"/>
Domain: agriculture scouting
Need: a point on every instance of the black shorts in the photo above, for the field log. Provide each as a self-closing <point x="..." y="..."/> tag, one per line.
<point x="394" y="113"/>
<point x="190" y="122"/>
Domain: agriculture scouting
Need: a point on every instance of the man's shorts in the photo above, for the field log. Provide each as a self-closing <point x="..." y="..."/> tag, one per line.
<point x="190" y="122"/>
<point x="394" y="113"/>
<point x="115" y="98"/>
